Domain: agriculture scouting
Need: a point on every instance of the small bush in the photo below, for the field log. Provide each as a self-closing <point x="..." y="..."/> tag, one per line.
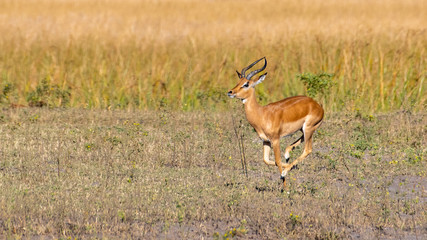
<point x="47" y="95"/>
<point x="316" y="83"/>
<point x="5" y="93"/>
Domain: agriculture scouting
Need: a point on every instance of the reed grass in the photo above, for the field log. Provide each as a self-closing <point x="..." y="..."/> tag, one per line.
<point x="183" y="54"/>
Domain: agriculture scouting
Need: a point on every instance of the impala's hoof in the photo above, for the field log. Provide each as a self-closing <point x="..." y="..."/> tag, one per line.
<point x="283" y="175"/>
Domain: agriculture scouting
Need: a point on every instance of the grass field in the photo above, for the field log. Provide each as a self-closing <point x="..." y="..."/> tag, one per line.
<point x="142" y="54"/>
<point x="169" y="175"/>
<point x="114" y="120"/>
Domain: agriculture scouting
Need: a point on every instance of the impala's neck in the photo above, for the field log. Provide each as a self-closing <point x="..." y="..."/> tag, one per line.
<point x="253" y="110"/>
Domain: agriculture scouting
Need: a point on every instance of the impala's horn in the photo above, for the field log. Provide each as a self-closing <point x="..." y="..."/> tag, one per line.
<point x="257" y="71"/>
<point x="250" y="75"/>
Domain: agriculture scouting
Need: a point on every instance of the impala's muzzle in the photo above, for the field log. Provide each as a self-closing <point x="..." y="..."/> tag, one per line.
<point x="230" y="94"/>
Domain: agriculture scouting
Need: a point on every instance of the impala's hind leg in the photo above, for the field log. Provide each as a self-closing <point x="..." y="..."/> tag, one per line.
<point x="308" y="137"/>
<point x="292" y="147"/>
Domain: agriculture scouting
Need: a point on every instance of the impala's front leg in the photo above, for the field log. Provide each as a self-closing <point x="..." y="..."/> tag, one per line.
<point x="267" y="148"/>
<point x="276" y="149"/>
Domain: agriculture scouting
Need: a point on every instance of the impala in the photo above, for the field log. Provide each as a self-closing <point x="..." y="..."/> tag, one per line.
<point x="278" y="119"/>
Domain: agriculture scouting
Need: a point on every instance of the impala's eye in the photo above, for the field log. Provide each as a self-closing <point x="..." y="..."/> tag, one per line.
<point x="246" y="85"/>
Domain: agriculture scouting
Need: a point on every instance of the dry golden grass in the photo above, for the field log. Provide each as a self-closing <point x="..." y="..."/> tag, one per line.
<point x="142" y="54"/>
<point x="209" y="21"/>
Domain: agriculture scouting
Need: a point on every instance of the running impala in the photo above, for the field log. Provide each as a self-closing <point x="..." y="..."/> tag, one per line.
<point x="278" y="119"/>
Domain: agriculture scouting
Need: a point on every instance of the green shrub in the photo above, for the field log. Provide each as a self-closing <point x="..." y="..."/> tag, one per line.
<point x="316" y="83"/>
<point x="5" y="93"/>
<point x="48" y="95"/>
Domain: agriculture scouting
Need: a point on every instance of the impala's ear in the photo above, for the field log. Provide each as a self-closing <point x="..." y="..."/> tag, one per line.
<point x="238" y="74"/>
<point x="260" y="79"/>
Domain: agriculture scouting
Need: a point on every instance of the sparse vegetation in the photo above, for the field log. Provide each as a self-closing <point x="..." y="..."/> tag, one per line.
<point x="116" y="174"/>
